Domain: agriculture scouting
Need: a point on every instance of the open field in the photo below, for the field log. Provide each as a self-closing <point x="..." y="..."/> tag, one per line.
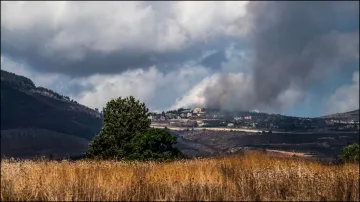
<point x="254" y="176"/>
<point x="321" y="145"/>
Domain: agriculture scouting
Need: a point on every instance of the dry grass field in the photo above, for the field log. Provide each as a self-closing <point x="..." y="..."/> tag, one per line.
<point x="254" y="176"/>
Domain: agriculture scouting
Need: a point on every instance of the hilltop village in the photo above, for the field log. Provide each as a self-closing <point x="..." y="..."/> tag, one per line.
<point x="201" y="117"/>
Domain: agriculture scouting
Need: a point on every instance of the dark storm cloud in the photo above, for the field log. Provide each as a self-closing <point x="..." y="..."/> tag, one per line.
<point x="82" y="39"/>
<point x="97" y="62"/>
<point x="103" y="63"/>
<point x="292" y="41"/>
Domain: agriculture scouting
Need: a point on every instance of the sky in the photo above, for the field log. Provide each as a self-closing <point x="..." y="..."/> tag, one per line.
<point x="292" y="58"/>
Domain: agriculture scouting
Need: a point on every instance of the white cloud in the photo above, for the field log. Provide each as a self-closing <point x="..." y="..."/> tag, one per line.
<point x="59" y="83"/>
<point x="345" y="98"/>
<point x="73" y="28"/>
<point x="99" y="38"/>
<point x="150" y="86"/>
<point x="157" y="89"/>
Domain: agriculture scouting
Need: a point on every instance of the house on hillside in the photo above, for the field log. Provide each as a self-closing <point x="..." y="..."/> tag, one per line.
<point x="230" y="125"/>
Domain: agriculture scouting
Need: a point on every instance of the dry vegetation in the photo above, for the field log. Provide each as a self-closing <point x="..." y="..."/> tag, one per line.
<point x="254" y="176"/>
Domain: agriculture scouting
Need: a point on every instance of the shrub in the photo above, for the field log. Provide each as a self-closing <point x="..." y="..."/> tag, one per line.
<point x="351" y="153"/>
<point x="154" y="144"/>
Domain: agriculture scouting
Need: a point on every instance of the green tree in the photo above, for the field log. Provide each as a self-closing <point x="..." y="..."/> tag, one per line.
<point x="155" y="144"/>
<point x="126" y="134"/>
<point x="123" y="120"/>
<point x="351" y="153"/>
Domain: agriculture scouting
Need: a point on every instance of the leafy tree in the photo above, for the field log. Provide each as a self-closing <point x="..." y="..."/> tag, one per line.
<point x="155" y="144"/>
<point x="126" y="134"/>
<point x="351" y="153"/>
<point x="123" y="120"/>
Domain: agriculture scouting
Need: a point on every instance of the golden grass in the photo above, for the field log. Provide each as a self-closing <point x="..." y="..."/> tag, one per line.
<point x="254" y="176"/>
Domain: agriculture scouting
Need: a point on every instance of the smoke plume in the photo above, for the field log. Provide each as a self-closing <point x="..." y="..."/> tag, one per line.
<point x="295" y="44"/>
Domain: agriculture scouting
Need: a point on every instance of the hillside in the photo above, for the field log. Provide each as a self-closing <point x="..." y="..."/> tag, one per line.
<point x="23" y="143"/>
<point x="23" y="106"/>
<point x="346" y="115"/>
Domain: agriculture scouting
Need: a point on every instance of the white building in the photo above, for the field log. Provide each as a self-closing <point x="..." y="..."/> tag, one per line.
<point x="230" y="125"/>
<point x="247" y="117"/>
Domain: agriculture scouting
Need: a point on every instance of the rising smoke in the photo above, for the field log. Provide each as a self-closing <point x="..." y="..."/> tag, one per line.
<point x="295" y="44"/>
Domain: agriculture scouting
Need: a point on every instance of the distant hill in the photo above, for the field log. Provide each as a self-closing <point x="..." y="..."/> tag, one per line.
<point x="24" y="106"/>
<point x="346" y="115"/>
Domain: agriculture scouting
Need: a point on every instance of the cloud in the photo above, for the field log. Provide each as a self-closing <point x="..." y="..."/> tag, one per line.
<point x="60" y="83"/>
<point x="345" y="98"/>
<point x="231" y="55"/>
<point x="21" y="69"/>
<point x="151" y="86"/>
<point x="157" y="89"/>
<point x="294" y="43"/>
<point x="85" y="38"/>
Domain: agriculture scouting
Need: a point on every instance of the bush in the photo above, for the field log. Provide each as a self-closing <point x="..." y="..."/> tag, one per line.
<point x="351" y="153"/>
<point x="126" y="130"/>
<point x="154" y="144"/>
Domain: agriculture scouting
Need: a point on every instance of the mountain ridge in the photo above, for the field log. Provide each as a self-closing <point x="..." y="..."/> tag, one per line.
<point x="39" y="121"/>
<point x="354" y="114"/>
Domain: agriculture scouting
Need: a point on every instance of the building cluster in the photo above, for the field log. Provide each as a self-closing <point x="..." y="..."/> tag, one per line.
<point x="201" y="117"/>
